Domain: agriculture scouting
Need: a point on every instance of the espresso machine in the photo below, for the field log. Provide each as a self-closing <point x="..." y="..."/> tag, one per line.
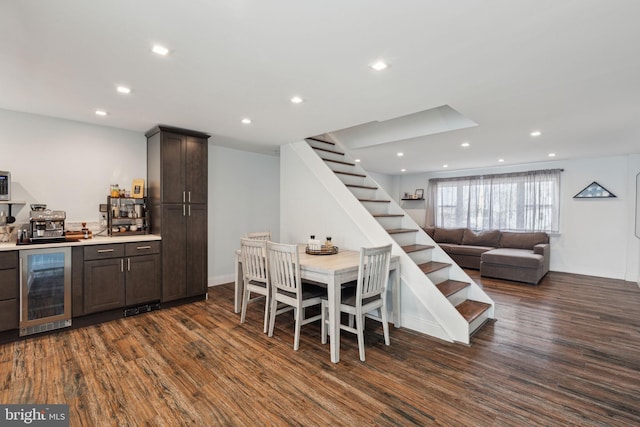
<point x="46" y="225"/>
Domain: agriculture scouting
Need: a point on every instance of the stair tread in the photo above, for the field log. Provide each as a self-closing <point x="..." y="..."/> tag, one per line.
<point x="401" y="230"/>
<point x="375" y="200"/>
<point x="327" y="150"/>
<point x="387" y="215"/>
<point x="450" y="287"/>
<point x="431" y="266"/>
<point x="416" y="248"/>
<point x="471" y="309"/>
<point x="367" y="187"/>
<point x="321" y="140"/>
<point x="338" y="161"/>
<point x="351" y="174"/>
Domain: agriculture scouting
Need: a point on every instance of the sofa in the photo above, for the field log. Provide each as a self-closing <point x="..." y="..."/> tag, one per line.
<point x="516" y="256"/>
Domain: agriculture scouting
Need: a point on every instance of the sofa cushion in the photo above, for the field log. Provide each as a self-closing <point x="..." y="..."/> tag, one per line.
<point x="448" y="235"/>
<point x="481" y="238"/>
<point x="429" y="231"/>
<point x="467" y="250"/>
<point x="522" y="240"/>
<point x="513" y="257"/>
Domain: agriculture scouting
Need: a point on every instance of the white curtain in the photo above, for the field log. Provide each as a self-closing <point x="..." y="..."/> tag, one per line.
<point x="524" y="201"/>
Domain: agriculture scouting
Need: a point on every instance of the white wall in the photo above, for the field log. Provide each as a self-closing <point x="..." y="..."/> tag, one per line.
<point x="244" y="191"/>
<point x="65" y="164"/>
<point x="596" y="236"/>
<point x="70" y="165"/>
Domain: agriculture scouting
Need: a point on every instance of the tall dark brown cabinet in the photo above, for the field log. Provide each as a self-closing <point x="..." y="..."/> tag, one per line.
<point x="177" y="194"/>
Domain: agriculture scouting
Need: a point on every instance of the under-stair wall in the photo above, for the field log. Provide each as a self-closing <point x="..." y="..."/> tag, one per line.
<point x="315" y="201"/>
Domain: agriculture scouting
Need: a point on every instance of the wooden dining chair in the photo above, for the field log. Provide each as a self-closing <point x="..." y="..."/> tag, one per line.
<point x="255" y="275"/>
<point x="259" y="235"/>
<point x="289" y="289"/>
<point x="370" y="294"/>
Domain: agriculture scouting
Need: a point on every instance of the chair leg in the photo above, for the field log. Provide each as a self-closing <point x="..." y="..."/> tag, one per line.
<point x="323" y="322"/>
<point x="245" y="301"/>
<point x="267" y="307"/>
<point x="298" y="319"/>
<point x="272" y="315"/>
<point x="385" y="324"/>
<point x="360" y="330"/>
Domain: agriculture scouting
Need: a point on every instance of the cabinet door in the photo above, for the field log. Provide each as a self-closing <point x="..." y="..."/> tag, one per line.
<point x="173" y="253"/>
<point x="143" y="279"/>
<point x="196" y="170"/>
<point x="103" y="285"/>
<point x="172" y="169"/>
<point x="196" y="247"/>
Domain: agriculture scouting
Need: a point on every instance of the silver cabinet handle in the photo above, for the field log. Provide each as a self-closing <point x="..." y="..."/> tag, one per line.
<point x="143" y="247"/>
<point x="189" y="196"/>
<point x="189" y="210"/>
<point x="101" y="251"/>
<point x="183" y="197"/>
<point x="122" y="266"/>
<point x="184" y="213"/>
<point x="128" y="264"/>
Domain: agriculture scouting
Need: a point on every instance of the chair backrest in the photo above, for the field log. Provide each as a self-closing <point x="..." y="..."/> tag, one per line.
<point x="284" y="267"/>
<point x="253" y="254"/>
<point x="259" y="235"/>
<point x="373" y="273"/>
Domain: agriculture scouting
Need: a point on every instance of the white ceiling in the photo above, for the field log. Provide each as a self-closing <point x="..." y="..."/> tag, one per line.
<point x="570" y="68"/>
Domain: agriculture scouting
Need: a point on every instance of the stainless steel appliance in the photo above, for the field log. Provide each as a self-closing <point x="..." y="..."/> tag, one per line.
<point x="46" y="225"/>
<point x="45" y="289"/>
<point x="5" y="185"/>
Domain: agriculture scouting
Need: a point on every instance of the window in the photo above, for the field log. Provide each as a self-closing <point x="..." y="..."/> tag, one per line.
<point x="526" y="201"/>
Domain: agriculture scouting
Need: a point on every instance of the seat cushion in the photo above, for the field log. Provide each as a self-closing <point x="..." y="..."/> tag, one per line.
<point x="489" y="238"/>
<point x="468" y="250"/>
<point x="522" y="240"/>
<point x="514" y="257"/>
<point x="448" y="235"/>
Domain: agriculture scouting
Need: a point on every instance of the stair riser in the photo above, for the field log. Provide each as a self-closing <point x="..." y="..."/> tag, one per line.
<point x="363" y="193"/>
<point x="421" y="257"/>
<point x="479" y="321"/>
<point x="390" y="222"/>
<point x="376" y="208"/>
<point x="404" y="239"/>
<point x="337" y="167"/>
<point x="439" y="276"/>
<point x="459" y="297"/>
<point x="354" y="180"/>
<point x="332" y="156"/>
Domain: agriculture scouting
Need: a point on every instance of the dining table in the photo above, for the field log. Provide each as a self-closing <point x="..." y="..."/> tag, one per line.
<point x="333" y="270"/>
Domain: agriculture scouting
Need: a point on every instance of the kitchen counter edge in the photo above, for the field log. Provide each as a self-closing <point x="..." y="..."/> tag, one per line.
<point x="97" y="240"/>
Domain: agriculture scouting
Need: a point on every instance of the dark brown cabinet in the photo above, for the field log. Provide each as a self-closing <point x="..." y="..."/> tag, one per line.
<point x="121" y="275"/>
<point x="9" y="290"/>
<point x="177" y="193"/>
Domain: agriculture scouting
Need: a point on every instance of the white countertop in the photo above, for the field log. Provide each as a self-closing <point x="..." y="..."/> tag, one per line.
<point x="96" y="240"/>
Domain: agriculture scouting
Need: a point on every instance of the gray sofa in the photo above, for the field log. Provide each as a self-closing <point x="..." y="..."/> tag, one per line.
<point x="521" y="257"/>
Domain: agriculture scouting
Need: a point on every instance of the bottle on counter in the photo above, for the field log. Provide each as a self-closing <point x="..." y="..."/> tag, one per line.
<point x="314" y="244"/>
<point x="328" y="243"/>
<point x="115" y="190"/>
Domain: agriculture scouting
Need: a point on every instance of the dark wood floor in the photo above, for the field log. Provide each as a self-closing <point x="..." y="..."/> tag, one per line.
<point x="566" y="352"/>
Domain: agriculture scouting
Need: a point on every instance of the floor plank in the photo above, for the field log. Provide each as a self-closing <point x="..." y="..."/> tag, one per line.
<point x="565" y="352"/>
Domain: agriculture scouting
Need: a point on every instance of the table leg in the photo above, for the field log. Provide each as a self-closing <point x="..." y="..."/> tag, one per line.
<point x="237" y="301"/>
<point x="334" y="296"/>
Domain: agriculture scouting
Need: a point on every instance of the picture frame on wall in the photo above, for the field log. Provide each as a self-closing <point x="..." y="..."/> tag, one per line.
<point x="419" y="194"/>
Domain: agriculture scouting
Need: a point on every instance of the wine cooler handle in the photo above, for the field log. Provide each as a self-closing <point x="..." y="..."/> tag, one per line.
<point x="21" y="299"/>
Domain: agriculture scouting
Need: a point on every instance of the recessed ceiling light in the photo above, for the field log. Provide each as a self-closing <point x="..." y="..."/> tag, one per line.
<point x="379" y="65"/>
<point x="246" y="121"/>
<point x="400" y="154"/>
<point x="445" y="166"/>
<point x="296" y="100"/>
<point x="357" y="160"/>
<point x="123" y="89"/>
<point x="403" y="170"/>
<point x="500" y="160"/>
<point x="465" y="144"/>
<point x="101" y="113"/>
<point x="536" y="133"/>
<point x="160" y="50"/>
<point x="552" y="154"/>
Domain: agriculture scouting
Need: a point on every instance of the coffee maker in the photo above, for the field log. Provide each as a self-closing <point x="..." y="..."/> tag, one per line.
<point x="46" y="225"/>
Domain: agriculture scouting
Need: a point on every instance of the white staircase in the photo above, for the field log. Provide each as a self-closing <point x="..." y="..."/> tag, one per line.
<point x="438" y="297"/>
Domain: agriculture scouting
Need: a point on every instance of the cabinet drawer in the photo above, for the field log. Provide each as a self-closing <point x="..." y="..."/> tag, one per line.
<point x="103" y="251"/>
<point x="142" y="248"/>
<point x="9" y="259"/>
<point x="8" y="314"/>
<point x="8" y="284"/>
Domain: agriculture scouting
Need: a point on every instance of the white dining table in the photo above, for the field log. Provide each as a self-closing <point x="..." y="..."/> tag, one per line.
<point x="334" y="270"/>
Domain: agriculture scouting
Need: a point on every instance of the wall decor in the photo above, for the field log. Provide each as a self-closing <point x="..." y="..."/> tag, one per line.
<point x="594" y="191"/>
